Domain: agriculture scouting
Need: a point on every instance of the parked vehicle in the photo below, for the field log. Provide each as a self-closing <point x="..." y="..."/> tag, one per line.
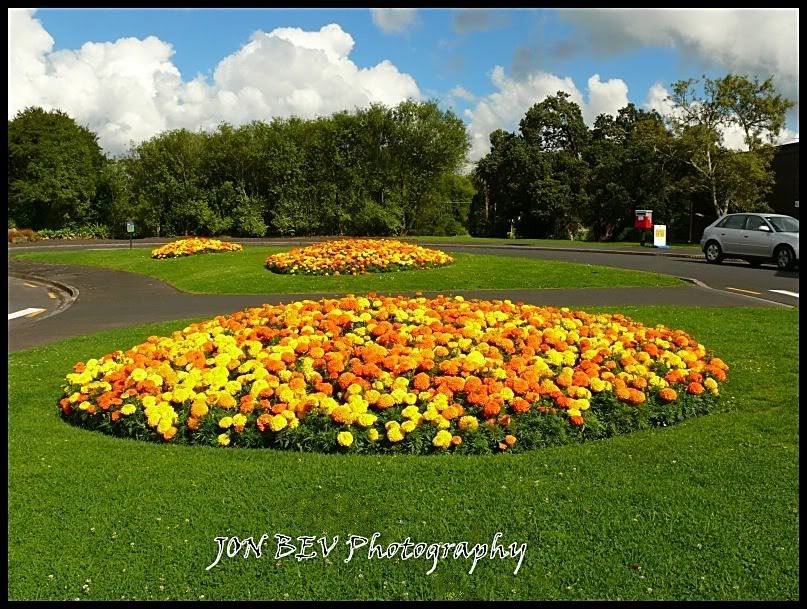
<point x="756" y="238"/>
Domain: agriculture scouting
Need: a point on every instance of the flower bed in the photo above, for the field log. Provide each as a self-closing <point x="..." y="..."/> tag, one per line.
<point x="194" y="245"/>
<point x="393" y="374"/>
<point x="356" y="257"/>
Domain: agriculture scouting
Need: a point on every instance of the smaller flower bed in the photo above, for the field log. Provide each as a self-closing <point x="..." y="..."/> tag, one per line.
<point x="356" y="257"/>
<point x="194" y="245"/>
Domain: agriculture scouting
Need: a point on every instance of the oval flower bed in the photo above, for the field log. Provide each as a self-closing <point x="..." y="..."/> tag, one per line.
<point x="194" y="245"/>
<point x="387" y="374"/>
<point x="355" y="257"/>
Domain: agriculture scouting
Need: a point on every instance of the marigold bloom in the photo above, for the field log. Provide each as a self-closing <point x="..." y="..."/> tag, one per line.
<point x="345" y="438"/>
<point x="695" y="388"/>
<point x="444" y="362"/>
<point x="668" y="394"/>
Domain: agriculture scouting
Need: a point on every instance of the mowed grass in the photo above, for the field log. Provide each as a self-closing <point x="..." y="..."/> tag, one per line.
<point x="704" y="510"/>
<point x="244" y="273"/>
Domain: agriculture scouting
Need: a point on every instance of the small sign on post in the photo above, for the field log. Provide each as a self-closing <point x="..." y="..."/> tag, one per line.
<point x="130" y="228"/>
<point x="660" y="235"/>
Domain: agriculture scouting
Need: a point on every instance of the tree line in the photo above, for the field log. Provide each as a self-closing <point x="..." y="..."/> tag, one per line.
<point x="555" y="177"/>
<point x="398" y="170"/>
<point x="376" y="171"/>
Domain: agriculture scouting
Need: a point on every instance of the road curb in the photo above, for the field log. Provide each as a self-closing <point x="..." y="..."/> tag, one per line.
<point x="68" y="293"/>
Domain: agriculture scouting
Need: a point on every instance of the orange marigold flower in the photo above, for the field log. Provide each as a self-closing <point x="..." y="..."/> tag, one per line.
<point x="422" y="381"/>
<point x="263" y="422"/>
<point x="668" y="394"/>
<point x="695" y="388"/>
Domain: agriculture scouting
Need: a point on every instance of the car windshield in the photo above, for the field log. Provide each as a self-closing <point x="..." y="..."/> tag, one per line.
<point x="784" y="224"/>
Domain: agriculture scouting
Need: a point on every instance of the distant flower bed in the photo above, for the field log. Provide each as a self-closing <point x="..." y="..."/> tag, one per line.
<point x="355" y="257"/>
<point x="395" y="374"/>
<point x="195" y="245"/>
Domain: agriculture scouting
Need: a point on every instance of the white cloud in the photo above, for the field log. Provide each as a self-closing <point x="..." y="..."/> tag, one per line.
<point x="505" y="108"/>
<point x="604" y="97"/>
<point x="393" y="20"/>
<point x="757" y="42"/>
<point x="129" y="90"/>
<point x="462" y="93"/>
<point x="733" y="136"/>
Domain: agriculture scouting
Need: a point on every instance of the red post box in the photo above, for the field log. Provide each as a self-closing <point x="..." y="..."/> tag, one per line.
<point x="644" y="219"/>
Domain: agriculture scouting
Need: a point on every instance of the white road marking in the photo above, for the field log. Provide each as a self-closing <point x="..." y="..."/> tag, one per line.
<point x="51" y="295"/>
<point x="30" y="285"/>
<point x="28" y="311"/>
<point x="786" y="293"/>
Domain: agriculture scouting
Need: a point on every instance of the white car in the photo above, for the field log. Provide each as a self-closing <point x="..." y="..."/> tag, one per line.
<point x="756" y="238"/>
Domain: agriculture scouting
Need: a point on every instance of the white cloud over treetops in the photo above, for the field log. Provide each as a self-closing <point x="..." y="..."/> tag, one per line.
<point x="505" y="108"/>
<point x="129" y="90"/>
<point x="733" y="136"/>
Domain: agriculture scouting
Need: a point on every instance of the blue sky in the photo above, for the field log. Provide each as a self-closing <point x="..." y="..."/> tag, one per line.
<point x="432" y="51"/>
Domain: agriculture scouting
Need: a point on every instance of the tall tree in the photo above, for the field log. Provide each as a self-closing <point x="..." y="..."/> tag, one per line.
<point x="53" y="169"/>
<point x="699" y="119"/>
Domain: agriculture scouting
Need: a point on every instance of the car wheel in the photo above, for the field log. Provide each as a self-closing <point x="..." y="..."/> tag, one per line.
<point x="784" y="257"/>
<point x="714" y="255"/>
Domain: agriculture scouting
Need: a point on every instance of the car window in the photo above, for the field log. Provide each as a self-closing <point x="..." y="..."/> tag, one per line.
<point x="754" y="222"/>
<point x="784" y="224"/>
<point x="736" y="221"/>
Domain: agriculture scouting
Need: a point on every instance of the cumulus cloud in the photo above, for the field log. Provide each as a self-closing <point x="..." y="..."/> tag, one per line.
<point x="756" y="42"/>
<point x="393" y="20"/>
<point x="463" y="93"/>
<point x="129" y="90"/>
<point x="505" y="108"/>
<point x="733" y="136"/>
<point x="473" y="19"/>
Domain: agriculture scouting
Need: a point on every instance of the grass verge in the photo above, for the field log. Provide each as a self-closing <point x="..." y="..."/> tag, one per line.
<point x="707" y="509"/>
<point x="244" y="273"/>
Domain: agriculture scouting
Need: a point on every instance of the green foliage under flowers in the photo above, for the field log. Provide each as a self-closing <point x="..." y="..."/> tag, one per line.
<point x="607" y="417"/>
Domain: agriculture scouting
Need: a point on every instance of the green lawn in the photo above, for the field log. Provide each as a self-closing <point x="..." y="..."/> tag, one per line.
<point x="704" y="510"/>
<point x="244" y="273"/>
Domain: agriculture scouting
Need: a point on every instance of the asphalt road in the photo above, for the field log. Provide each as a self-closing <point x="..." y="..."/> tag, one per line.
<point x="29" y="299"/>
<point x="732" y="276"/>
<point x="110" y="299"/>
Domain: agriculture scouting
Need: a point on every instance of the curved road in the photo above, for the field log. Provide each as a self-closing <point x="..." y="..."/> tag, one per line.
<point x="109" y="299"/>
<point x="732" y="275"/>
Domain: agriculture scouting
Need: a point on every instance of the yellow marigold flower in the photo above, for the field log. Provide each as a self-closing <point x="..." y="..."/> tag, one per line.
<point x="345" y="438"/>
<point x="366" y="419"/>
<point x="408" y="426"/>
<point x="354" y="389"/>
<point x="225" y="422"/>
<point x="469" y="422"/>
<point x="224" y="439"/>
<point x="410" y="411"/>
<point x="442" y="439"/>
<point x="394" y="434"/>
<point x="372" y="435"/>
<point x="278" y="422"/>
<point x="411" y="398"/>
<point x="128" y="409"/>
<point x="199" y="409"/>
<point x="226" y="400"/>
<point x="239" y="421"/>
<point x="139" y="375"/>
